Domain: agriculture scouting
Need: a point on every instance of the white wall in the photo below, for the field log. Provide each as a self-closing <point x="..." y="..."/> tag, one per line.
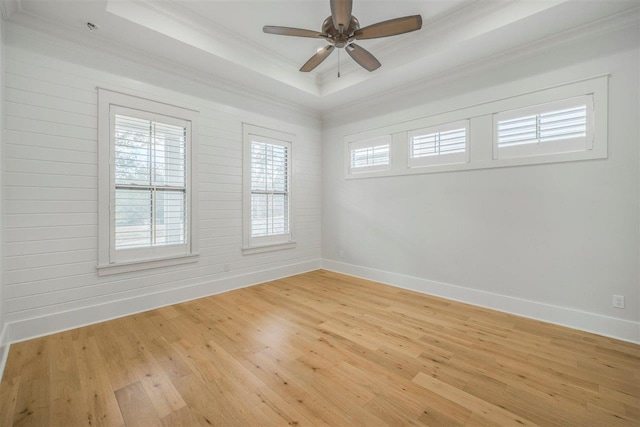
<point x="2" y="348"/>
<point x="550" y="241"/>
<point x="50" y="188"/>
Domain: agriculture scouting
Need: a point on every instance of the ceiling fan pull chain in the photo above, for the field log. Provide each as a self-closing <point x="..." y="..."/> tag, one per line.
<point x="338" y="63"/>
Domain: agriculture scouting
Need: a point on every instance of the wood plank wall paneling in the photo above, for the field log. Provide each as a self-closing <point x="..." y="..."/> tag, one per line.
<point x="322" y="349"/>
<point x="50" y="192"/>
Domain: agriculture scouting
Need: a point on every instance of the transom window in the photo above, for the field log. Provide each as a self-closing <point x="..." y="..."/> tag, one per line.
<point x="436" y="145"/>
<point x="555" y="127"/>
<point x="370" y="155"/>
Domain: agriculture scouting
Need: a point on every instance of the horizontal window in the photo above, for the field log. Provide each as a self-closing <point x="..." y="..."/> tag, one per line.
<point x="552" y="125"/>
<point x="557" y="127"/>
<point x="437" y="145"/>
<point x="370" y="155"/>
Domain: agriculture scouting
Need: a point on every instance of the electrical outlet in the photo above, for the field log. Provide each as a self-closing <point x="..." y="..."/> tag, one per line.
<point x="227" y="267"/>
<point x="618" y="301"/>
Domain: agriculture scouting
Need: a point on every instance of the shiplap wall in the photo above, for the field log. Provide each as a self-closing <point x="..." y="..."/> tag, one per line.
<point x="50" y="192"/>
<point x="2" y="350"/>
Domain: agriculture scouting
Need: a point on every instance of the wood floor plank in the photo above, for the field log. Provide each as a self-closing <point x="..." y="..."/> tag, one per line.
<point x="137" y="409"/>
<point x="8" y="400"/>
<point x="97" y="391"/>
<point x="321" y="349"/>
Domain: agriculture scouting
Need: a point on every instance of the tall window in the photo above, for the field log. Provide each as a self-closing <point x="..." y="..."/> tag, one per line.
<point x="267" y="187"/>
<point x="146" y="211"/>
<point x="150" y="183"/>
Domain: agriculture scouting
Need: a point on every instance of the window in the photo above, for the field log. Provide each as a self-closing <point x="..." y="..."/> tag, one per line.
<point x="146" y="213"/>
<point x="267" y="189"/>
<point x="370" y="155"/>
<point x="556" y="124"/>
<point x="438" y="145"/>
<point x="556" y="127"/>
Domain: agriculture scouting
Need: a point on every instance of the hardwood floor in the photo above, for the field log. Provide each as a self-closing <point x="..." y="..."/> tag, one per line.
<point x="321" y="349"/>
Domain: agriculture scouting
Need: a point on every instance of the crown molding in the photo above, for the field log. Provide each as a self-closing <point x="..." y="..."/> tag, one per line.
<point x="616" y="22"/>
<point x="9" y="8"/>
<point x="174" y="10"/>
<point x="96" y="44"/>
<point x="178" y="23"/>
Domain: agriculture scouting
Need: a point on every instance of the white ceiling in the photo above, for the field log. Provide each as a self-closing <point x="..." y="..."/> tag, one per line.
<point x="223" y="40"/>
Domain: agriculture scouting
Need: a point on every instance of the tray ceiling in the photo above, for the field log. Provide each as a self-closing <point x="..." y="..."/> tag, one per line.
<point x="224" y="39"/>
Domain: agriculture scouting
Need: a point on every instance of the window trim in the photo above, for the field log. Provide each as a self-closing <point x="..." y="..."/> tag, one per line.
<point x="252" y="245"/>
<point x="108" y="262"/>
<point x="441" y="159"/>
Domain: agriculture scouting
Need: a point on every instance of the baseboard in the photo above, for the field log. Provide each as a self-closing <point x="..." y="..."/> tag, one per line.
<point x="4" y="350"/>
<point x="26" y="329"/>
<point x="589" y="322"/>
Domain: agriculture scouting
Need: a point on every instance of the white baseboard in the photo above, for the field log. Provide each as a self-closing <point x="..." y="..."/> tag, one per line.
<point x="590" y="322"/>
<point x="4" y="350"/>
<point x="26" y="329"/>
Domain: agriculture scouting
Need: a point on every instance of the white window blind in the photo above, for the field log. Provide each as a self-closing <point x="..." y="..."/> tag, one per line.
<point x="370" y="156"/>
<point x="442" y="144"/>
<point x="556" y="127"/>
<point x="269" y="189"/>
<point x="551" y="126"/>
<point x="150" y="183"/>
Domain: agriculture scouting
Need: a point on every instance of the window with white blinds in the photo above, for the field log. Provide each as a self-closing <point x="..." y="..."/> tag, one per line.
<point x="556" y="127"/>
<point x="370" y="155"/>
<point x="146" y="216"/>
<point x="150" y="193"/>
<point x="437" y="145"/>
<point x="551" y="125"/>
<point x="267" y="189"/>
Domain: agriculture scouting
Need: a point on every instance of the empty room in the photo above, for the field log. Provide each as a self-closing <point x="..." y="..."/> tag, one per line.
<point x="319" y="213"/>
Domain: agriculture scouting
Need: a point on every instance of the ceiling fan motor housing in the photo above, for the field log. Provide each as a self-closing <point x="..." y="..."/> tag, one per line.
<point x="335" y="37"/>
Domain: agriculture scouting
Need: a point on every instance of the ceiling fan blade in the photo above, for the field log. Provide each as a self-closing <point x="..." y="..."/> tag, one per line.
<point x="363" y="57"/>
<point x="316" y="59"/>
<point x="392" y="27"/>
<point x="286" y="31"/>
<point x="341" y="14"/>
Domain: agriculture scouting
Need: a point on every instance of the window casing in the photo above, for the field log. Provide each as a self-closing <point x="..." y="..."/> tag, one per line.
<point x="439" y="145"/>
<point x="146" y="211"/>
<point x="267" y="189"/>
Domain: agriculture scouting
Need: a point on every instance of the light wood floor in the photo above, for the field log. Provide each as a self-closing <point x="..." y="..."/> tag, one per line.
<point x="321" y="349"/>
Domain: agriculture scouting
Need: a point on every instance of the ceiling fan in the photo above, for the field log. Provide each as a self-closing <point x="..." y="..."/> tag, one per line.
<point x="341" y="29"/>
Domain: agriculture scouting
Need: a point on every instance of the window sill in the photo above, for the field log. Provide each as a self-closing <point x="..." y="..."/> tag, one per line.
<point x="268" y="248"/>
<point x="127" y="267"/>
